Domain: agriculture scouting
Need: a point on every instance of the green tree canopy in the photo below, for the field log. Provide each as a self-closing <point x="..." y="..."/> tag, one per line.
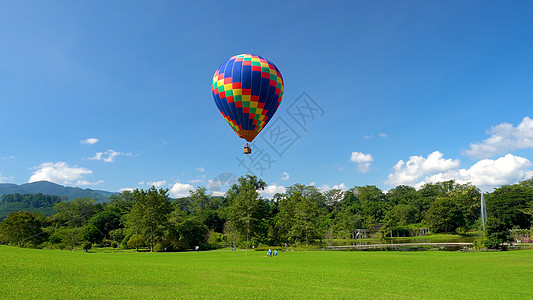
<point x="246" y="208"/>
<point x="77" y="212"/>
<point x="149" y="214"/>
<point x="508" y="204"/>
<point x="91" y="234"/>
<point x="106" y="221"/>
<point x="444" y="215"/>
<point x="22" y="228"/>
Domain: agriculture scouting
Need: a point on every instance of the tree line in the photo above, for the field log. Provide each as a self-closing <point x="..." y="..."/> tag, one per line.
<point x="301" y="215"/>
<point x="39" y="202"/>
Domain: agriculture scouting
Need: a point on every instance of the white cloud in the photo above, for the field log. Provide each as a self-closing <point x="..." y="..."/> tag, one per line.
<point x="325" y="187"/>
<point x="85" y="182"/>
<point x="2" y="178"/>
<point x="369" y="137"/>
<point x="159" y="183"/>
<point x="341" y="186"/>
<point x="196" y="181"/>
<point x="485" y="174"/>
<point x="214" y="185"/>
<point x="179" y="190"/>
<point x="285" y="176"/>
<point x="200" y="169"/>
<point x="488" y="173"/>
<point x="218" y="194"/>
<point x="126" y="189"/>
<point x="108" y="156"/>
<point x="90" y="141"/>
<point x="410" y="172"/>
<point x="60" y="173"/>
<point x="362" y="160"/>
<point x="272" y="189"/>
<point x="504" y="138"/>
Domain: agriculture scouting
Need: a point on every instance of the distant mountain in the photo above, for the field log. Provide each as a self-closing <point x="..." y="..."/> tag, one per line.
<point x="49" y="188"/>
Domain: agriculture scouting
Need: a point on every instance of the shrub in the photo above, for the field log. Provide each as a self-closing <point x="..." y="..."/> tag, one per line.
<point x="478" y="243"/>
<point x="159" y="247"/>
<point x="135" y="241"/>
<point x="214" y="239"/>
<point x="124" y="242"/>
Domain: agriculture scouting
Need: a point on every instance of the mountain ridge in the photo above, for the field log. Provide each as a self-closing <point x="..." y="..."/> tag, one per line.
<point x="50" y="188"/>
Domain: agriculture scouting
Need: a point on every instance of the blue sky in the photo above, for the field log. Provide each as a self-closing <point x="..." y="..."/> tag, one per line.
<point x="118" y="95"/>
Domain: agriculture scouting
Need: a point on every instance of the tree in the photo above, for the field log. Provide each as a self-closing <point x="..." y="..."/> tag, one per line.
<point x="121" y="203"/>
<point x="106" y="221"/>
<point x="444" y="216"/>
<point x="91" y="233"/>
<point x="347" y="222"/>
<point x="496" y="234"/>
<point x="389" y="223"/>
<point x="56" y="237"/>
<point x="149" y="214"/>
<point x="77" y="212"/>
<point x="136" y="241"/>
<point x="528" y="184"/>
<point x="429" y="193"/>
<point x="21" y="228"/>
<point x="206" y="208"/>
<point x="402" y="194"/>
<point x="305" y="220"/>
<point x="372" y="202"/>
<point x="117" y="234"/>
<point x="192" y="232"/>
<point x="246" y="208"/>
<point x="508" y="203"/>
<point x="199" y="200"/>
<point x="298" y="215"/>
<point x="407" y="195"/>
<point x="404" y="214"/>
<point x="65" y="236"/>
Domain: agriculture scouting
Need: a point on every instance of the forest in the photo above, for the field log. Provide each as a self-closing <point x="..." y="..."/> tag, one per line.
<point x="39" y="203"/>
<point x="301" y="216"/>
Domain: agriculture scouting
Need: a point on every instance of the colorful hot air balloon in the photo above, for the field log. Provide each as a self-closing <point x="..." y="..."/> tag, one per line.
<point x="247" y="89"/>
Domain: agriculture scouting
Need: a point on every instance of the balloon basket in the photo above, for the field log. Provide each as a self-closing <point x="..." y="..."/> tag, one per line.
<point x="247" y="150"/>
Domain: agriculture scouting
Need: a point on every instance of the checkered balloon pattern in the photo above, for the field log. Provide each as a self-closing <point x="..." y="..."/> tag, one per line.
<point x="247" y="90"/>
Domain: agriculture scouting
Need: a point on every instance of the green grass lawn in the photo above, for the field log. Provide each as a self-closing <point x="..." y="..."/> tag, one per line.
<point x="28" y="273"/>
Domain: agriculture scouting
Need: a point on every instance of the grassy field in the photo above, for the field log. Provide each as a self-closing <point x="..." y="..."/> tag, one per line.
<point x="27" y="273"/>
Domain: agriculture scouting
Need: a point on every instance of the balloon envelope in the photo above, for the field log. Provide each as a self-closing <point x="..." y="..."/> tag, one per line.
<point x="247" y="89"/>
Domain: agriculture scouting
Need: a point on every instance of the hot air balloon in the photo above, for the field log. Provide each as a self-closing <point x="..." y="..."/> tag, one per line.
<point x="247" y="89"/>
